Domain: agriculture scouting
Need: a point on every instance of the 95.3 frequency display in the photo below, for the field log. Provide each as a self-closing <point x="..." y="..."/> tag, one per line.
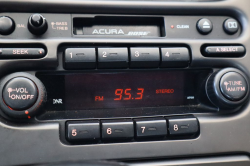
<point x="86" y="91"/>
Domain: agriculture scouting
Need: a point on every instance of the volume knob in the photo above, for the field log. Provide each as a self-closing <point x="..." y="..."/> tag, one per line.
<point x="22" y="95"/>
<point x="227" y="88"/>
<point x="37" y="24"/>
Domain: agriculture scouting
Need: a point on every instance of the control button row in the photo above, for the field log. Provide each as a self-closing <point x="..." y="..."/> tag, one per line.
<point x="205" y="26"/>
<point x="140" y="57"/>
<point x="118" y="130"/>
<point x="20" y="53"/>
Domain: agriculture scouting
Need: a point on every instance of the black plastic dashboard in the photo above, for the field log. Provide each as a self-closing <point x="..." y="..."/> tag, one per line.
<point x="92" y="80"/>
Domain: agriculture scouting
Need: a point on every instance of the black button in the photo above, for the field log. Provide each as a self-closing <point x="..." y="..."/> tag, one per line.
<point x="20" y="93"/>
<point x="183" y="126"/>
<point x="175" y="57"/>
<point x="231" y="26"/>
<point x="224" y="51"/>
<point x="36" y="20"/>
<point x="7" y="25"/>
<point x="21" y="53"/>
<point x="114" y="129"/>
<point x="80" y="58"/>
<point x="233" y="86"/>
<point x="148" y="57"/>
<point x="204" y="26"/>
<point x="112" y="57"/>
<point x="83" y="131"/>
<point x="151" y="127"/>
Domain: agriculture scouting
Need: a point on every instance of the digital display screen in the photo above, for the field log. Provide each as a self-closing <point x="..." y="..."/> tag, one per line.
<point x="88" y="91"/>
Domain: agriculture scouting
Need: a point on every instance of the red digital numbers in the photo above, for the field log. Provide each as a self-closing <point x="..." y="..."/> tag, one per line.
<point x="118" y="92"/>
<point x="127" y="94"/>
<point x="140" y="93"/>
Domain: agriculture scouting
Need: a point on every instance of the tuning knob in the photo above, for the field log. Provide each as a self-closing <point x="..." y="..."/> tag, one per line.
<point x="37" y="24"/>
<point x="227" y="88"/>
<point x="22" y="95"/>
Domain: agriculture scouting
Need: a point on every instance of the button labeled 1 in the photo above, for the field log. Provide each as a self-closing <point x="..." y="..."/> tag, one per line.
<point x="80" y="58"/>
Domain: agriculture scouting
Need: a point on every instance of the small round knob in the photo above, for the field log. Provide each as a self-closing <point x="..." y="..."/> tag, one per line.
<point x="37" y="24"/>
<point x="227" y="88"/>
<point x="36" y="20"/>
<point x="22" y="95"/>
<point x="7" y="25"/>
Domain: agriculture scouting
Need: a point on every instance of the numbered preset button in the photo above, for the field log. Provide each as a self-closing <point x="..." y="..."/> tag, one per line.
<point x="144" y="57"/>
<point x="117" y="130"/>
<point x="183" y="126"/>
<point x="151" y="127"/>
<point x="80" y="58"/>
<point x="81" y="131"/>
<point x="113" y="57"/>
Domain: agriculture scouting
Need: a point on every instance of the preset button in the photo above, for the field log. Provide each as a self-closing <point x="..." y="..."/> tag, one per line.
<point x="148" y="57"/>
<point x="80" y="58"/>
<point x="183" y="126"/>
<point x="83" y="131"/>
<point x="113" y="57"/>
<point x="151" y="127"/>
<point x="175" y="57"/>
<point x="115" y="129"/>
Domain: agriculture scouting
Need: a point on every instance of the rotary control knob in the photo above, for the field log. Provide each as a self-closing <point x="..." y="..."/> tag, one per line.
<point x="7" y="25"/>
<point x="37" y="24"/>
<point x="22" y="95"/>
<point x="227" y="88"/>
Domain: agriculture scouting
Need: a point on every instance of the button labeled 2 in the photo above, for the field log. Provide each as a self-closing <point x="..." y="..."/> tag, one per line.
<point x="113" y="57"/>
